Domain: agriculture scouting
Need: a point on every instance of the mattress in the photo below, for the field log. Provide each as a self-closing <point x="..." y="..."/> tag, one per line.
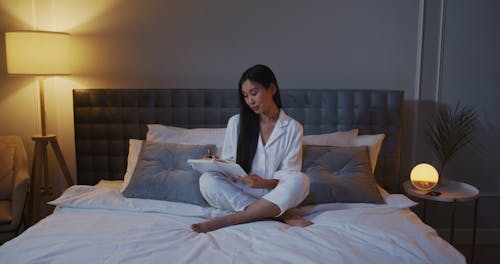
<point x="96" y="224"/>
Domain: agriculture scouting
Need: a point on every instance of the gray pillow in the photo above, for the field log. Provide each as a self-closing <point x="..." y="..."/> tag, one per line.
<point x="162" y="173"/>
<point x="339" y="174"/>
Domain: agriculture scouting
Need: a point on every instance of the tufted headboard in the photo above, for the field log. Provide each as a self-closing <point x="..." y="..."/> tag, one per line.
<point x="106" y="118"/>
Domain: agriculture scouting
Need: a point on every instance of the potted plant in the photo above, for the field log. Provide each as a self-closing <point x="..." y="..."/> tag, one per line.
<point x="450" y="130"/>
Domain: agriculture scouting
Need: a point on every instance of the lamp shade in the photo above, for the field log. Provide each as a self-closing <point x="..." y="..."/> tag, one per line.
<point x="424" y="177"/>
<point x="37" y="53"/>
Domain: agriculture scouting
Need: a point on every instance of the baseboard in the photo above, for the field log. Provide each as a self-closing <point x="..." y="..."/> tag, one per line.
<point x="463" y="236"/>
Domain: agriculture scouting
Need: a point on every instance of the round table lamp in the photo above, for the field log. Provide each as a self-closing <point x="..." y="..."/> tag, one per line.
<point x="424" y="177"/>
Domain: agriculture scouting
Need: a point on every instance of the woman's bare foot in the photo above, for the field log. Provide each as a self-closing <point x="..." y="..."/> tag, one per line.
<point x="219" y="222"/>
<point x="294" y="219"/>
<point x="260" y="209"/>
<point x="208" y="226"/>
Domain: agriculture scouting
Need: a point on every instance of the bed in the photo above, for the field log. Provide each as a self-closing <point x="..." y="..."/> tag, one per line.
<point x="94" y="223"/>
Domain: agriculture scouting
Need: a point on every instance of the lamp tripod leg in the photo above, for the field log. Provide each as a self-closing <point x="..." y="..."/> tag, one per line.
<point x="46" y="187"/>
<point x="38" y="170"/>
<point x="41" y="181"/>
<point x="60" y="160"/>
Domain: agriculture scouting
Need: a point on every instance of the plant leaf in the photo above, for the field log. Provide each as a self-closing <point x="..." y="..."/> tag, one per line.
<point x="450" y="130"/>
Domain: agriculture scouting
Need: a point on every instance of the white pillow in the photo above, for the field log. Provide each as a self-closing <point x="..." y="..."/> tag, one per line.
<point x="197" y="136"/>
<point x="399" y="201"/>
<point x="374" y="143"/>
<point x="349" y="139"/>
<point x="134" y="149"/>
<point x="339" y="138"/>
<point x="383" y="192"/>
<point x="113" y="184"/>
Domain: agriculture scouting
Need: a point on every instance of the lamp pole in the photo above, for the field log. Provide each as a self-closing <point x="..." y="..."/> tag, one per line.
<point x="42" y="104"/>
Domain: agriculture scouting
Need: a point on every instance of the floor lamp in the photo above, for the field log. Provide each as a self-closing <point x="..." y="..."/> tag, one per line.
<point x="40" y="54"/>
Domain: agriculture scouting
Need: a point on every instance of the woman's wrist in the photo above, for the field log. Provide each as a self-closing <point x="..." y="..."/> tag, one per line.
<point x="271" y="183"/>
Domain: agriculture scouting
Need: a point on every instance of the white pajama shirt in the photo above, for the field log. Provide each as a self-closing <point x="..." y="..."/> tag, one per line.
<point x="280" y="158"/>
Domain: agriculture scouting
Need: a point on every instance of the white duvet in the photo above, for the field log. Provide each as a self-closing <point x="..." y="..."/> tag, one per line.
<point x="98" y="225"/>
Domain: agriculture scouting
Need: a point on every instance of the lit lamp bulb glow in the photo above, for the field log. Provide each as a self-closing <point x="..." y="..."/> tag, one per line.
<point x="424" y="177"/>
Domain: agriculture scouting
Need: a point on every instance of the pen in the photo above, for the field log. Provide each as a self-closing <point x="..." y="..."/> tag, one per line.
<point x="209" y="154"/>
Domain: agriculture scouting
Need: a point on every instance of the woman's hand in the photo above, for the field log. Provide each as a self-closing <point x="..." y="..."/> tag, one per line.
<point x="255" y="181"/>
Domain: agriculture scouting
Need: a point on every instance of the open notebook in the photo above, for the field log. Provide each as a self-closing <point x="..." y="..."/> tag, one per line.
<point x="225" y="167"/>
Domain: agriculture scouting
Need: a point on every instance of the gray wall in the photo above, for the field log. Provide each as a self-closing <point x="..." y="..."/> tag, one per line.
<point x="389" y="44"/>
<point x="464" y="68"/>
<point x="471" y="75"/>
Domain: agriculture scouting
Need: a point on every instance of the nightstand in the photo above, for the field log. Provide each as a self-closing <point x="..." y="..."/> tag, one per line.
<point x="450" y="192"/>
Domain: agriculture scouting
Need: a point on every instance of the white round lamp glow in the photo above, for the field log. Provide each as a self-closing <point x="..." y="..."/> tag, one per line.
<point x="424" y="177"/>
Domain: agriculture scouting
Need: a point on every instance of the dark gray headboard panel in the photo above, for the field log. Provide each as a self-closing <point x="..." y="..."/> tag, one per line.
<point x="106" y="118"/>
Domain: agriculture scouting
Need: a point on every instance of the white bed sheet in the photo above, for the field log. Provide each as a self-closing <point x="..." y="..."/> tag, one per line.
<point x="95" y="224"/>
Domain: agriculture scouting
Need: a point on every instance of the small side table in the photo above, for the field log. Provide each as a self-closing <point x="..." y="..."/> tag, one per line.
<point x="450" y="192"/>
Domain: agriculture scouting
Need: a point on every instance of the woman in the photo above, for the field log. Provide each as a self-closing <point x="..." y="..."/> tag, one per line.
<point x="268" y="146"/>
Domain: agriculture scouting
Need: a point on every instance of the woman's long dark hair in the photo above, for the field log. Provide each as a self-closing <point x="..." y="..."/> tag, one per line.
<point x="249" y="121"/>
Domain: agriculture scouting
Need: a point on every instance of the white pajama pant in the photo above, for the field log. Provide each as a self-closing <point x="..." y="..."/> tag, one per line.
<point x="230" y="194"/>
